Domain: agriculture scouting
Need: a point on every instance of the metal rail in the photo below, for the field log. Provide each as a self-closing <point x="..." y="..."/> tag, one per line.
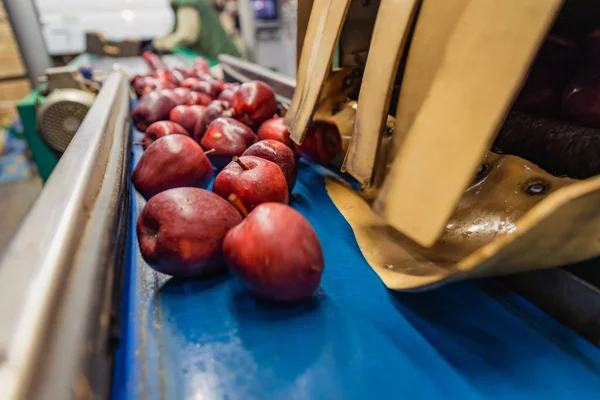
<point x="58" y="276"/>
<point x="242" y="71"/>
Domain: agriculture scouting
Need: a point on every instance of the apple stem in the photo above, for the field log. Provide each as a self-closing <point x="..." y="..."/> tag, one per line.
<point x="241" y="163"/>
<point x="209" y="151"/>
<point x="237" y="203"/>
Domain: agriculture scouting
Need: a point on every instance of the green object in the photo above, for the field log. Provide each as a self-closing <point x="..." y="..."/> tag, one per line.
<point x="43" y="156"/>
<point x="183" y="53"/>
<point x="213" y="38"/>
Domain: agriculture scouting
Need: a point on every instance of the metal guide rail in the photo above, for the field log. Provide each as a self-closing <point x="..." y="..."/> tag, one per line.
<point x="60" y="273"/>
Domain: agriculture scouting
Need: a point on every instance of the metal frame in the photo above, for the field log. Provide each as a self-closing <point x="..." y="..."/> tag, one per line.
<point x="27" y="29"/>
<point x="239" y="70"/>
<point x="59" y="276"/>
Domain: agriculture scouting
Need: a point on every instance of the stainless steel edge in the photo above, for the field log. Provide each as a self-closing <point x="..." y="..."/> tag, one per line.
<point x="244" y="71"/>
<point x="36" y="269"/>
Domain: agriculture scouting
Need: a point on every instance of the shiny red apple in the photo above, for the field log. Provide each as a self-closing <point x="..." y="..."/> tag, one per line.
<point x="187" y="116"/>
<point x="275" y="253"/>
<point x="171" y="161"/>
<point x="274" y="128"/>
<point x="180" y="232"/>
<point x="153" y="106"/>
<point x="254" y="102"/>
<point x="214" y="110"/>
<point x="252" y="180"/>
<point x="280" y="154"/>
<point x="322" y="143"/>
<point x="160" y="129"/>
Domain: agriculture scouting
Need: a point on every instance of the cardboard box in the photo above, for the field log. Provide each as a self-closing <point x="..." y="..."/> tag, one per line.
<point x="12" y="92"/>
<point x="96" y="43"/>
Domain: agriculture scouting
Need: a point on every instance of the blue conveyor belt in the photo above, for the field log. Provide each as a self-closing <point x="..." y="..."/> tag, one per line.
<point x="354" y="340"/>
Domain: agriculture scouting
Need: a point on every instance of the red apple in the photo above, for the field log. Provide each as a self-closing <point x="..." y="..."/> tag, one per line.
<point x="201" y="65"/>
<point x="180" y="232"/>
<point x="211" y="87"/>
<point x="229" y="90"/>
<point x="214" y="110"/>
<point x="180" y="73"/>
<point x="171" y="161"/>
<point x="252" y="180"/>
<point x="160" y="129"/>
<point x="154" y="61"/>
<point x="254" y="102"/>
<point x="187" y="116"/>
<point x="278" y="153"/>
<point x="227" y="137"/>
<point x="274" y="128"/>
<point x="275" y="253"/>
<point x="152" y="107"/>
<point x="197" y="98"/>
<point x="181" y="94"/>
<point x="322" y="143"/>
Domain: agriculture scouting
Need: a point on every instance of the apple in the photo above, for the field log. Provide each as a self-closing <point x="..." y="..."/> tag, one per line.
<point x="252" y="180"/>
<point x="197" y="98"/>
<point x="187" y="116"/>
<point x="275" y="253"/>
<point x="160" y="129"/>
<point x="280" y="154"/>
<point x="254" y="102"/>
<point x="209" y="86"/>
<point x="274" y="128"/>
<point x="226" y="137"/>
<point x="171" y="161"/>
<point x="228" y="91"/>
<point x="322" y="143"/>
<point x="180" y="232"/>
<point x="214" y="110"/>
<point x="201" y="65"/>
<point x="153" y="106"/>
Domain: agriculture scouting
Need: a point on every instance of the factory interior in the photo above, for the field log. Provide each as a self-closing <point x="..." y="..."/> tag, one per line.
<point x="299" y="199"/>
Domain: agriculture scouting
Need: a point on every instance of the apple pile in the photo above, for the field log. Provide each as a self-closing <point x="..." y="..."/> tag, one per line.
<point x="194" y="124"/>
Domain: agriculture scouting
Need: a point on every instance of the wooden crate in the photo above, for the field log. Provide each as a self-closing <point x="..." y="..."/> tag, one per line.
<point x="10" y="57"/>
<point x="11" y="92"/>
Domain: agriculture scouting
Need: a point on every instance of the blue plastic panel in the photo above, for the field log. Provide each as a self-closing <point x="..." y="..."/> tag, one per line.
<point x="354" y="340"/>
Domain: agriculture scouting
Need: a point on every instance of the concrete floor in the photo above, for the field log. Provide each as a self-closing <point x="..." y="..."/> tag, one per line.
<point x="16" y="198"/>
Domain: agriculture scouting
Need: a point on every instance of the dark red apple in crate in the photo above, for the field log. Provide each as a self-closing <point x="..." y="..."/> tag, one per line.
<point x="254" y="102"/>
<point x="214" y="110"/>
<point x="187" y="116"/>
<point x="227" y="137"/>
<point x="252" y="180"/>
<point x="160" y="129"/>
<point x="180" y="232"/>
<point x="553" y="66"/>
<point x="274" y="128"/>
<point x="276" y="253"/>
<point x="152" y="107"/>
<point x="322" y="143"/>
<point x="278" y="153"/>
<point x="171" y="161"/>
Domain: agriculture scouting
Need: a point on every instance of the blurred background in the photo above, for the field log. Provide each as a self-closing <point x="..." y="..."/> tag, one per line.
<point x="36" y="35"/>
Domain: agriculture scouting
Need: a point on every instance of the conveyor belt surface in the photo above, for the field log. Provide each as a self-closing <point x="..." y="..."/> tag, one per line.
<point x="354" y="340"/>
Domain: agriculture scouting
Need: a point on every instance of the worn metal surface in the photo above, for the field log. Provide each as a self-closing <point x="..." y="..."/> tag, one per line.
<point x="56" y="278"/>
